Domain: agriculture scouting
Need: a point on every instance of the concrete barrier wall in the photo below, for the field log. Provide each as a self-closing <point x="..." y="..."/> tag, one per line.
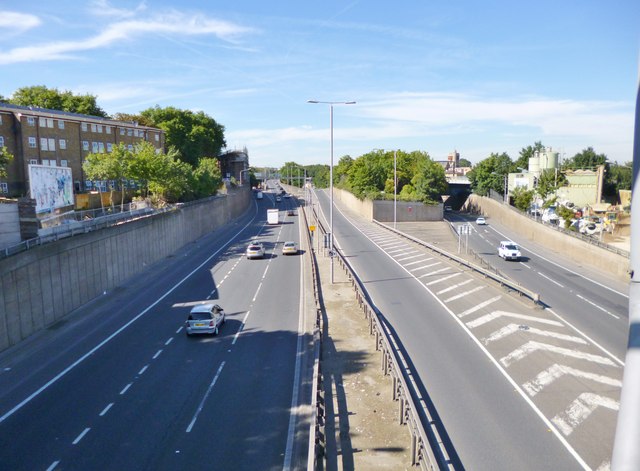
<point x="576" y="249"/>
<point x="42" y="285"/>
<point x="382" y="210"/>
<point x="406" y="211"/>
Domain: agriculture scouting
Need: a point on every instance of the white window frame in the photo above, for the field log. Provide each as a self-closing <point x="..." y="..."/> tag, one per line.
<point x="109" y="147"/>
<point x="52" y="144"/>
<point x="130" y="147"/>
<point x="94" y="147"/>
<point x="64" y="163"/>
<point x="99" y="127"/>
<point x="129" y="132"/>
<point x="33" y="161"/>
<point x="33" y="142"/>
<point x="84" y="127"/>
<point x="4" y="187"/>
<point x="44" y="144"/>
<point x="157" y="136"/>
<point x="60" y="124"/>
<point x="31" y="120"/>
<point x="122" y="131"/>
<point x="101" y="147"/>
<point x="1" y="141"/>
<point x="85" y="145"/>
<point x="107" y="129"/>
<point x="62" y="143"/>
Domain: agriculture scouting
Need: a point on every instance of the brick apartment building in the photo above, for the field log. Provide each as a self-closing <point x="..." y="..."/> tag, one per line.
<point x="37" y="136"/>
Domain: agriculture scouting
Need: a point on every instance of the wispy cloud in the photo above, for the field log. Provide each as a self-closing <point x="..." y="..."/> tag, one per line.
<point x="17" y="23"/>
<point x="104" y="8"/>
<point x="170" y="23"/>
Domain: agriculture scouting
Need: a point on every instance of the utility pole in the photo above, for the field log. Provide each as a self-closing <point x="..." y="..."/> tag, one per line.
<point x="626" y="452"/>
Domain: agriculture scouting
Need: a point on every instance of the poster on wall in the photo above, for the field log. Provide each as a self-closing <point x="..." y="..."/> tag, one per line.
<point x="51" y="187"/>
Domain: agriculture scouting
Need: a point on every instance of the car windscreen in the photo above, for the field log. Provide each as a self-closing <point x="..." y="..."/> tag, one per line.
<point x="511" y="247"/>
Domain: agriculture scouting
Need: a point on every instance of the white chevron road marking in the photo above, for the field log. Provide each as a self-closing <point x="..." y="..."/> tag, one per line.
<point x="532" y="347"/>
<point x="548" y="376"/>
<point x="581" y="409"/>
<point x="477" y="307"/>
<point x="513" y="328"/>
<point x="498" y="314"/>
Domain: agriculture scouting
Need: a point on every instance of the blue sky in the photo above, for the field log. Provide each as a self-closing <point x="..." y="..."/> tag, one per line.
<point x="478" y="77"/>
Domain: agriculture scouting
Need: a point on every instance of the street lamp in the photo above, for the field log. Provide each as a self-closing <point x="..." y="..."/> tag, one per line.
<point x="331" y="103"/>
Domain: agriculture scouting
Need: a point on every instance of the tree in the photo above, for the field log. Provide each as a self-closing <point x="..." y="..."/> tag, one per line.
<point x="464" y="163"/>
<point x="193" y="135"/>
<point x="550" y="180"/>
<point x="522" y="198"/>
<point x="490" y="173"/>
<point x="208" y="177"/>
<point x="133" y="118"/>
<point x="587" y="159"/>
<point x="618" y="177"/>
<point x="112" y="165"/>
<point x="52" y="99"/>
<point x="429" y="181"/>
<point x="5" y="159"/>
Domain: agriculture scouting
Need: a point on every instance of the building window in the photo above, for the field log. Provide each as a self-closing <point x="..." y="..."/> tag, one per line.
<point x="84" y="127"/>
<point x="157" y="137"/>
<point x="52" y="144"/>
<point x="4" y="187"/>
<point x="129" y="132"/>
<point x="0" y="119"/>
<point x="94" y="147"/>
<point x="47" y="162"/>
<point x="109" y="147"/>
<point x="32" y="142"/>
<point x="33" y="161"/>
<point x="107" y="129"/>
<point x="44" y="143"/>
<point x="1" y="141"/>
<point x="64" y="163"/>
<point x="99" y="127"/>
<point x="31" y="121"/>
<point x="101" y="147"/>
<point x="130" y="147"/>
<point x="62" y="143"/>
<point x="85" y="145"/>
<point x="60" y="124"/>
<point x="46" y="122"/>
<point x="122" y="131"/>
<point x="94" y="128"/>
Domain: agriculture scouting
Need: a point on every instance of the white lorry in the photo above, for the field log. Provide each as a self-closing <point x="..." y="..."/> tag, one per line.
<point x="272" y="216"/>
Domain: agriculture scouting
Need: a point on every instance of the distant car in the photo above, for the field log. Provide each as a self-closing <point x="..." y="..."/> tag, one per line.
<point x="291" y="212"/>
<point x="481" y="221"/>
<point x="509" y="250"/>
<point x="287" y="195"/>
<point x="289" y="248"/>
<point x="255" y="250"/>
<point x="278" y="199"/>
<point x="205" y="319"/>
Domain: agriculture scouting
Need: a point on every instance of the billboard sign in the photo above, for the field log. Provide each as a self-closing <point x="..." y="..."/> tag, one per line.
<point x="51" y="187"/>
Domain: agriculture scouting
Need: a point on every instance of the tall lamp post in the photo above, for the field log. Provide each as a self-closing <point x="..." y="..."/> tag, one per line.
<point x="331" y="103"/>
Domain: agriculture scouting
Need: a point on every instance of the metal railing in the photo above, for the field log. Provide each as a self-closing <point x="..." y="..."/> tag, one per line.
<point x="427" y="451"/>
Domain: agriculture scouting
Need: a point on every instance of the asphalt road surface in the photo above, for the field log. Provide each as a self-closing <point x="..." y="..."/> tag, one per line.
<point x="119" y="385"/>
<point x="514" y="386"/>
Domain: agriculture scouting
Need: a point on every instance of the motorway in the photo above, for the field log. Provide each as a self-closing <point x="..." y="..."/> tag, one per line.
<point x="118" y="385"/>
<point x="512" y="385"/>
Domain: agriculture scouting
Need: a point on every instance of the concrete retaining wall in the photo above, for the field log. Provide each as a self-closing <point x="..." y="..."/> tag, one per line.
<point x="382" y="210"/>
<point x="42" y="285"/>
<point x="576" y="249"/>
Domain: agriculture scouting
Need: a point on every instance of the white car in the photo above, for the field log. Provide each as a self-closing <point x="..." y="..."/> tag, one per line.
<point x="509" y="250"/>
<point x="205" y="319"/>
<point x="255" y="250"/>
<point x="481" y="221"/>
<point x="290" y="248"/>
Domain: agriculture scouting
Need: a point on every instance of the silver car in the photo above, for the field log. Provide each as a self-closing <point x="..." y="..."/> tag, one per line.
<point x="255" y="250"/>
<point x="205" y="319"/>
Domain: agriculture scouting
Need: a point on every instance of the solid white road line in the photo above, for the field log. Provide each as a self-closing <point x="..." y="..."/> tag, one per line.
<point x="551" y="280"/>
<point x="597" y="307"/>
